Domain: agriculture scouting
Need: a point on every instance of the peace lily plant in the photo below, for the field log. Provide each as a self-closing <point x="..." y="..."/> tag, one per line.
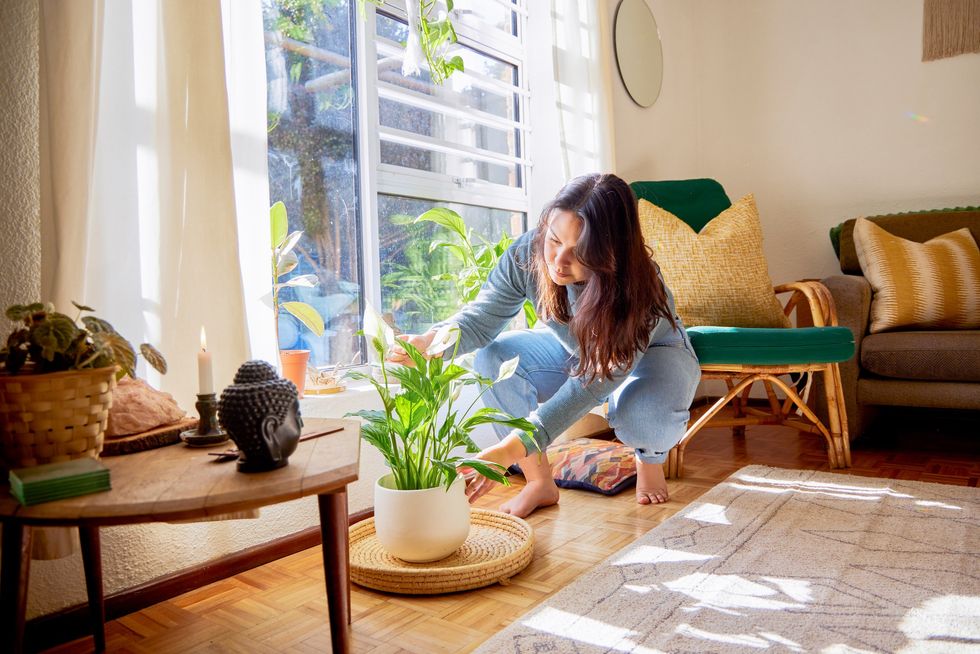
<point x="421" y="429"/>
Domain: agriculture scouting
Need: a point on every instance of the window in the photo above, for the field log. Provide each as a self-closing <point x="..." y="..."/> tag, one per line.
<point x="356" y="162"/>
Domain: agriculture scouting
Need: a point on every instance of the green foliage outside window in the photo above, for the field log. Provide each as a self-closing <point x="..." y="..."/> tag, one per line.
<point x="476" y="259"/>
<point x="418" y="292"/>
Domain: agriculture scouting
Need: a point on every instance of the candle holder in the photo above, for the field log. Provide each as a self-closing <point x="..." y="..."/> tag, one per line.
<point x="209" y="431"/>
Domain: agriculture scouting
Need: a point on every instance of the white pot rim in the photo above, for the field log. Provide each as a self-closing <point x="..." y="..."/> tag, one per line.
<point x="379" y="485"/>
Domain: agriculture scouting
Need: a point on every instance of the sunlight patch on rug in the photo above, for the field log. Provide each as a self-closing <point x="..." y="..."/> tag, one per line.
<point x="714" y="513"/>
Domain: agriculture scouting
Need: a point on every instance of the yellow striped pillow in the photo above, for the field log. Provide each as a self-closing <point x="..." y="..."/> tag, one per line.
<point x="931" y="285"/>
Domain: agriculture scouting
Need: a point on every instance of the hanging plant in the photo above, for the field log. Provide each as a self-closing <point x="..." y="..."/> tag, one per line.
<point x="436" y="35"/>
<point x="430" y="35"/>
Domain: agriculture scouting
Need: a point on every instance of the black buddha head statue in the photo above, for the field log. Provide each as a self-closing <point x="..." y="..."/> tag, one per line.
<point x="260" y="412"/>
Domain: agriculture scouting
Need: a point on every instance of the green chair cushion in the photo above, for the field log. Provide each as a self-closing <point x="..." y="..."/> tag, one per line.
<point x="763" y="347"/>
<point x="695" y="201"/>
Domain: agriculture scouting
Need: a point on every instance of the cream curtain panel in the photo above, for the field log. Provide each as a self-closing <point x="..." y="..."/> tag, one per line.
<point x="583" y="78"/>
<point x="154" y="192"/>
<point x="571" y="74"/>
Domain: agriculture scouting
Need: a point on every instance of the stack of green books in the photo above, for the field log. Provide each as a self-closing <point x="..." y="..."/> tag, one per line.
<point x="56" y="481"/>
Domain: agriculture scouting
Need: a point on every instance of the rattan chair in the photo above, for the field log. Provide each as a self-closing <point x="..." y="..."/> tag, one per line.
<point x="743" y="357"/>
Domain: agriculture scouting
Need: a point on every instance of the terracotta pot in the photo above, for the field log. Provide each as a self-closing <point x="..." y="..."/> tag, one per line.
<point x="294" y="367"/>
<point x="421" y="525"/>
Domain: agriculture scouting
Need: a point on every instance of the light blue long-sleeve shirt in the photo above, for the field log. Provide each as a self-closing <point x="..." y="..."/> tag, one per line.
<point x="509" y="284"/>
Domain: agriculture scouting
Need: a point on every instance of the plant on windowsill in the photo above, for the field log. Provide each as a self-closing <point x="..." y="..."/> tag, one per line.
<point x="284" y="261"/>
<point x="56" y="383"/>
<point x="420" y="508"/>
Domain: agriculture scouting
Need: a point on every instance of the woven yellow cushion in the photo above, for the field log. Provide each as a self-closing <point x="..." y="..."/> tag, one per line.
<point x="719" y="277"/>
<point x="931" y="285"/>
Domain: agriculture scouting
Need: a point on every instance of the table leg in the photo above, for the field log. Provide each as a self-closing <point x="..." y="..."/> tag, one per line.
<point x="92" y="562"/>
<point x="336" y="566"/>
<point x="15" y="568"/>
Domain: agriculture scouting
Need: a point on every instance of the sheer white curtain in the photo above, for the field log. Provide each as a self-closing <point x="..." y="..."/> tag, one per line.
<point x="154" y="182"/>
<point x="571" y="75"/>
<point x="583" y="75"/>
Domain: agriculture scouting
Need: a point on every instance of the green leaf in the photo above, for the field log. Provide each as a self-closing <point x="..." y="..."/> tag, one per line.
<point x="401" y="219"/>
<point x="306" y="315"/>
<point x="296" y="70"/>
<point x="119" y="350"/>
<point x="97" y="325"/>
<point x="492" y="471"/>
<point x="414" y="354"/>
<point x="154" y="358"/>
<point x="280" y="223"/>
<point x="457" y="251"/>
<point x="18" y="312"/>
<point x="54" y="335"/>
<point x="82" y="307"/>
<point x="446" y="218"/>
<point x="530" y="315"/>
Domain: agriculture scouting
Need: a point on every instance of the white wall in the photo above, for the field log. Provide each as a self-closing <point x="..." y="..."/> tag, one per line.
<point x="807" y="105"/>
<point x="20" y="209"/>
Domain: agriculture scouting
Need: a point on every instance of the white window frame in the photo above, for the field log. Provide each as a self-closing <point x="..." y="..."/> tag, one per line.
<point x="377" y="178"/>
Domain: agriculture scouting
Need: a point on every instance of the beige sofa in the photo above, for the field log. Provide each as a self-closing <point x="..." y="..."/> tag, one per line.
<point x="938" y="369"/>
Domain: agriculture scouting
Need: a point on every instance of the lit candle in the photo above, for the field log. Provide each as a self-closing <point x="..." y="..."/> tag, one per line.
<point x="205" y="378"/>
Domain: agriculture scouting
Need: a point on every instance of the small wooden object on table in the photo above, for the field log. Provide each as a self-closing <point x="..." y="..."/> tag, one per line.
<point x="147" y="440"/>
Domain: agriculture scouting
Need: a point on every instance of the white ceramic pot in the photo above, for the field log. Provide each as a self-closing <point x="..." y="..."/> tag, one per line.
<point x="421" y="525"/>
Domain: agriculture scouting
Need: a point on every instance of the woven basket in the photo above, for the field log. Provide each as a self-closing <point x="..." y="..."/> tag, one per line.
<point x="498" y="547"/>
<point x="55" y="416"/>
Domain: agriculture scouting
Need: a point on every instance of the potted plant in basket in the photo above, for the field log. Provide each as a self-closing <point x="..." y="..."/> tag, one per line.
<point x="284" y="260"/>
<point x="420" y="508"/>
<point x="56" y="383"/>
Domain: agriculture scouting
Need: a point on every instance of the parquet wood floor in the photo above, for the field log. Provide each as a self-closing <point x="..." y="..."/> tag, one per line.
<point x="280" y="607"/>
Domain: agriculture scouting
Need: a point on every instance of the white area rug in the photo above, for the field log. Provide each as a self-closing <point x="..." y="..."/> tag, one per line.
<point x="782" y="561"/>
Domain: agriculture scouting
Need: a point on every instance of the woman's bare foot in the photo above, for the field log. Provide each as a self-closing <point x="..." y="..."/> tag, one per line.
<point x="651" y="485"/>
<point x="534" y="495"/>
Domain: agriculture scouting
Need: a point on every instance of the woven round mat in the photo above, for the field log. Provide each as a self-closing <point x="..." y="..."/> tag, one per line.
<point x="498" y="547"/>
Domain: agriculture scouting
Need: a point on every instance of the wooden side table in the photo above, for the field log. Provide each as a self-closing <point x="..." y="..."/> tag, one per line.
<point x="180" y="483"/>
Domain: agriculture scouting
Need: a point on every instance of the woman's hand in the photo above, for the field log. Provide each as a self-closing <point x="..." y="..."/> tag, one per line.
<point x="397" y="354"/>
<point x="505" y="453"/>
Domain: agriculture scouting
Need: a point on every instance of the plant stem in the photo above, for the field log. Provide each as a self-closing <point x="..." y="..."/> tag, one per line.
<point x="392" y="436"/>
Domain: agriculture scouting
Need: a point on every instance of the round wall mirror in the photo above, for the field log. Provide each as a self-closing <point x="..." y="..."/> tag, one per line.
<point x="638" y="52"/>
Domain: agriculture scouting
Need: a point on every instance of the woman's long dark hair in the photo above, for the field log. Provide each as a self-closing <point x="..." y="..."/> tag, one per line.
<point x="624" y="297"/>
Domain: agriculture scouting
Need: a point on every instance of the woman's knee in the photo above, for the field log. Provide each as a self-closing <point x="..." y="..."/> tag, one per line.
<point x="651" y="428"/>
<point x="651" y="417"/>
<point x="488" y="359"/>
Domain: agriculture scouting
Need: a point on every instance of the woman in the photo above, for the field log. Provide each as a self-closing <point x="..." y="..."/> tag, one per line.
<point x="613" y="335"/>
